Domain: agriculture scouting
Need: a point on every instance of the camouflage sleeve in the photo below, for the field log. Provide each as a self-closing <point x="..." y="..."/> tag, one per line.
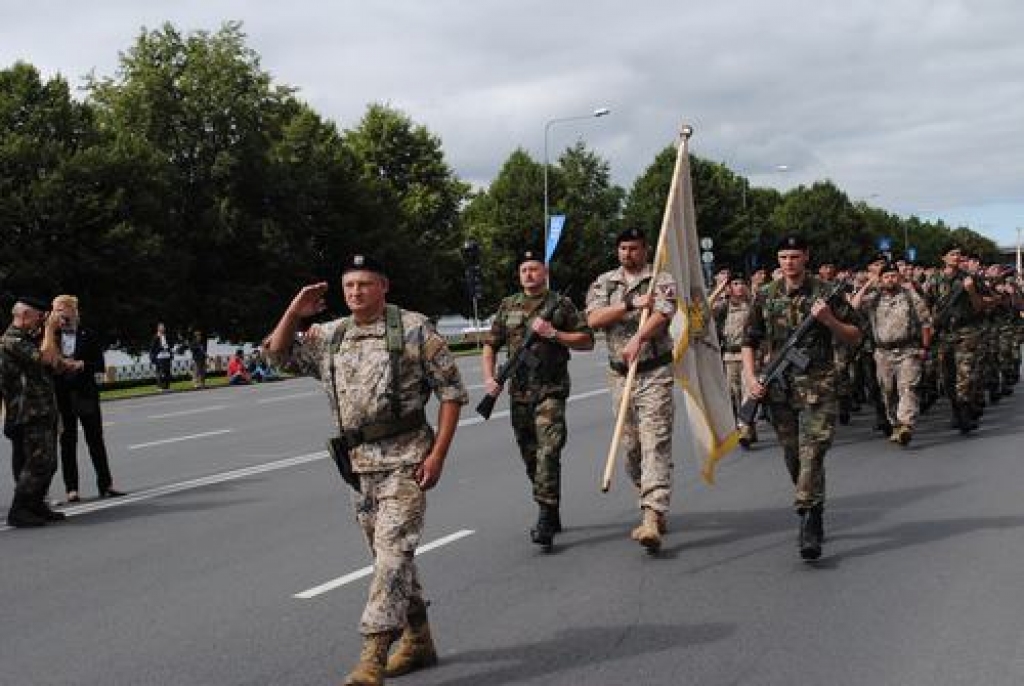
<point x="844" y="312"/>
<point x="597" y="295"/>
<point x="754" y="329"/>
<point x="924" y="315"/>
<point x="439" y="365"/>
<point x="665" y="295"/>
<point x="308" y="351"/>
<point x="498" y="335"/>
<point x="22" y="351"/>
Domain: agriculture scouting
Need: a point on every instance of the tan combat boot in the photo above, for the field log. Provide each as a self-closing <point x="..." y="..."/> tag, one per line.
<point x="370" y="669"/>
<point x="415" y="647"/>
<point x="648" y="534"/>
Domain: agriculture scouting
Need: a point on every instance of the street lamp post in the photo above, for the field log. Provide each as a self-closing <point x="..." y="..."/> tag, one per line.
<point x="599" y="112"/>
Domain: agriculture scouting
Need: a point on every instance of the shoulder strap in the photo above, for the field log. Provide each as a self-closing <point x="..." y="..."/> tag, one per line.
<point x="394" y="335"/>
<point x="335" y="344"/>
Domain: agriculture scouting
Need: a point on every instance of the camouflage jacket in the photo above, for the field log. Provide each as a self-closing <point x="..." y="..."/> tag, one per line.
<point x="895" y="319"/>
<point x="956" y="312"/>
<point x="611" y="288"/>
<point x="776" y="313"/>
<point x="730" y="318"/>
<point x="549" y="378"/>
<point x="27" y="383"/>
<point x="362" y="376"/>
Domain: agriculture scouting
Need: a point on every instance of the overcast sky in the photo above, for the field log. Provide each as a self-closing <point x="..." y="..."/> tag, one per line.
<point x="916" y="106"/>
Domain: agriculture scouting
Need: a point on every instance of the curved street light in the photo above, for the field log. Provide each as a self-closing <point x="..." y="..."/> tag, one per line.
<point x="599" y="112"/>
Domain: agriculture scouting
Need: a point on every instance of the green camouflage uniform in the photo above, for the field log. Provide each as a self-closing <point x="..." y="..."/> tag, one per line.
<point x="537" y="392"/>
<point x="959" y="334"/>
<point x="32" y="416"/>
<point x="803" y="412"/>
<point x="390" y="505"/>
<point x="896" y="320"/>
<point x="647" y="429"/>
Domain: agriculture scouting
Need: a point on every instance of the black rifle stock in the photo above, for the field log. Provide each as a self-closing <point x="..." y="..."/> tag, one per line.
<point x="522" y="356"/>
<point x="941" y="318"/>
<point x="790" y="356"/>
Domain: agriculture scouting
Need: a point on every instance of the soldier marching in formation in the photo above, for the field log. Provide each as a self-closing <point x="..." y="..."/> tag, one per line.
<point x="540" y="385"/>
<point x="730" y="304"/>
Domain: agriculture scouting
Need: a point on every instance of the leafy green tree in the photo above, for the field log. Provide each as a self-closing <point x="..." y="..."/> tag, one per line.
<point x="416" y="231"/>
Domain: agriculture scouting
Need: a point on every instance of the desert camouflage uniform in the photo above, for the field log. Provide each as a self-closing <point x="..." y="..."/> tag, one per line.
<point x="804" y="411"/>
<point x="390" y="504"/>
<point x="32" y="418"/>
<point x="730" y="317"/>
<point x="537" y="394"/>
<point x="647" y="431"/>
<point x="896" y="321"/>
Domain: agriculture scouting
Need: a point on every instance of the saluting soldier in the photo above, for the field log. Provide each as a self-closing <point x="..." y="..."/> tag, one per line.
<point x="958" y="308"/>
<point x="29" y="357"/>
<point x="540" y="385"/>
<point x="730" y="305"/>
<point x="900" y="325"/>
<point x="378" y="396"/>
<point x="803" y="411"/>
<point x="614" y="303"/>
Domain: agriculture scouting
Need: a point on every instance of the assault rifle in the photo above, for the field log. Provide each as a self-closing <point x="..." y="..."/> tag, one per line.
<point x="789" y="356"/>
<point x="522" y="356"/>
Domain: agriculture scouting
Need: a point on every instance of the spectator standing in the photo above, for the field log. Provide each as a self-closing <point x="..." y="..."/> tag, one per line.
<point x="161" y="354"/>
<point x="197" y="348"/>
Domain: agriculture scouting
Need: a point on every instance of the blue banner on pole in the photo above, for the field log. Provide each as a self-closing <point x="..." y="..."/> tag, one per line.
<point x="912" y="254"/>
<point x="885" y="244"/>
<point x="554" y="233"/>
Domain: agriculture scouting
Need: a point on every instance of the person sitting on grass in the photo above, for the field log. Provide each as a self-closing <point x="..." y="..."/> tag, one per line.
<point x="238" y="375"/>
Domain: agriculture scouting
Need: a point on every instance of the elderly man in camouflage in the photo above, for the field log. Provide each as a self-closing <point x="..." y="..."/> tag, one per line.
<point x="803" y="412"/>
<point x="538" y="391"/>
<point x="29" y="356"/>
<point x="399" y="455"/>
<point x="900" y="325"/>
<point x="730" y="306"/>
<point x="614" y="303"/>
<point x="958" y="310"/>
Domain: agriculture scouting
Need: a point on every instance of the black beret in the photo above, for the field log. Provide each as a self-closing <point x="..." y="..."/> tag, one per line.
<point x="889" y="266"/>
<point x="630" y="235"/>
<point x="360" y="263"/>
<point x="951" y="246"/>
<point x="792" y="242"/>
<point x="36" y="303"/>
<point x="529" y="256"/>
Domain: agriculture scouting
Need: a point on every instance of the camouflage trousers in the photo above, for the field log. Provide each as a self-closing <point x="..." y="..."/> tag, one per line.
<point x="804" y="419"/>
<point x="390" y="509"/>
<point x="540" y="432"/>
<point x="647" y="434"/>
<point x="899" y="374"/>
<point x="39" y="453"/>
<point x="958" y="364"/>
<point x="734" y="379"/>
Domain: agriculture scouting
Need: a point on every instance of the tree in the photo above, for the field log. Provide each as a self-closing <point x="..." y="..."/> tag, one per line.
<point x="416" y="231"/>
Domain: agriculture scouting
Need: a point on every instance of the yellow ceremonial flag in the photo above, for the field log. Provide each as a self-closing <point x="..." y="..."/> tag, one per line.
<point x="707" y="408"/>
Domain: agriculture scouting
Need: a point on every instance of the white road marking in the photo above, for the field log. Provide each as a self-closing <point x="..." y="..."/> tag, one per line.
<point x="366" y="571"/>
<point x="177" y="439"/>
<point x="470" y="421"/>
<point x="279" y="398"/>
<point x="182" y="413"/>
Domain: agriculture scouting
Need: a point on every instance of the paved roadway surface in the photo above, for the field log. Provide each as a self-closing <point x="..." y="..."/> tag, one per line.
<point x="236" y="561"/>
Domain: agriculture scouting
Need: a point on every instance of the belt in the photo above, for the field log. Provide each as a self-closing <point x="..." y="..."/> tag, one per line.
<point x="905" y="343"/>
<point x="621" y="368"/>
<point x="378" y="431"/>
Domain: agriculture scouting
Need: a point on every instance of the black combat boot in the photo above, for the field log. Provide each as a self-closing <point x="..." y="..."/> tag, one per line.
<point x="963" y="418"/>
<point x="21" y="514"/>
<point x="556" y="522"/>
<point x="41" y="508"/>
<point x="543" y="534"/>
<point x="844" y="411"/>
<point x="812" y="531"/>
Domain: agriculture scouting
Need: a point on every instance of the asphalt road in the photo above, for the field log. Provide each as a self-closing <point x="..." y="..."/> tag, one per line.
<point x="235" y="560"/>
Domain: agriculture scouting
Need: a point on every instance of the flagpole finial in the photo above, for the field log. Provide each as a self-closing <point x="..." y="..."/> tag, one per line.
<point x="686" y="131"/>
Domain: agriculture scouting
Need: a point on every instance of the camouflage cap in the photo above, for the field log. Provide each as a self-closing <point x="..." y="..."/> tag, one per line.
<point x="360" y="263"/>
